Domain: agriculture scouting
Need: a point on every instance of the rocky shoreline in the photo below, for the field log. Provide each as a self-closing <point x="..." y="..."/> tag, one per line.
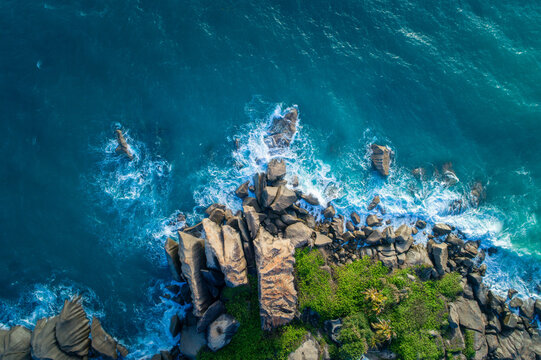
<point x="260" y="242"/>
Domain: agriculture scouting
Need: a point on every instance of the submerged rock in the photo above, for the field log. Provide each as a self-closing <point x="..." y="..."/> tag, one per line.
<point x="192" y="256"/>
<point x="381" y="158"/>
<point x="15" y="343"/>
<point x="221" y="331"/>
<point x="73" y="328"/>
<point x="282" y="130"/>
<point x="277" y="294"/>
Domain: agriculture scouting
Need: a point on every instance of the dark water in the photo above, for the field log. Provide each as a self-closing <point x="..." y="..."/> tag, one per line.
<point x="437" y="82"/>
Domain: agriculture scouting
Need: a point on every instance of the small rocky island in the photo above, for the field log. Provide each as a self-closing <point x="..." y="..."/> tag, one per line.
<point x="277" y="281"/>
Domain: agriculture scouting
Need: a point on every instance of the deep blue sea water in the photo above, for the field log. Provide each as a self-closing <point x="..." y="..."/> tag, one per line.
<point x="438" y="82"/>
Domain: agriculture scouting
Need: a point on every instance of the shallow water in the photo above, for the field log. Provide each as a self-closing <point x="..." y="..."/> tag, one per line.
<point x="437" y="83"/>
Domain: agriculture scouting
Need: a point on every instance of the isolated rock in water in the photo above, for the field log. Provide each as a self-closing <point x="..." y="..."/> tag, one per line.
<point x="191" y="341"/>
<point x="43" y="341"/>
<point x="171" y="252"/>
<point x="214" y="243"/>
<point x="277" y="294"/>
<point x="102" y="342"/>
<point x="233" y="262"/>
<point x="284" y="199"/>
<point x="322" y="240"/>
<point x="122" y="147"/>
<point x="355" y="218"/>
<point x="242" y="190"/>
<point x="299" y="234"/>
<point x="381" y="158"/>
<point x="221" y="331"/>
<point x="373" y="220"/>
<point x="73" y="328"/>
<point x="308" y="350"/>
<point x="282" y="130"/>
<point x="191" y="253"/>
<point x="276" y="170"/>
<point x="373" y="203"/>
<point x="15" y="343"/>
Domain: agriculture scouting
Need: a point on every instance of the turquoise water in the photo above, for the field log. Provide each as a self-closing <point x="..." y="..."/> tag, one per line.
<point x="436" y="82"/>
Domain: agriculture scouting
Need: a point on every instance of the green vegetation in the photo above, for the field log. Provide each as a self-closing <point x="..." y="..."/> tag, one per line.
<point x="469" y="351"/>
<point x="250" y="342"/>
<point x="377" y="307"/>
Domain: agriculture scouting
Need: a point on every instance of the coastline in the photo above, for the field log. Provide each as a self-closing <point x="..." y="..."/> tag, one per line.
<point x="272" y="204"/>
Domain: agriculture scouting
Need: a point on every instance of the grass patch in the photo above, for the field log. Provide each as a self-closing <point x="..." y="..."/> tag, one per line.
<point x="250" y="341"/>
<point x="377" y="307"/>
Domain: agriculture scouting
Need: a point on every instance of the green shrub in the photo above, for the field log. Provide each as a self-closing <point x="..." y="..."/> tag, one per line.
<point x="407" y="307"/>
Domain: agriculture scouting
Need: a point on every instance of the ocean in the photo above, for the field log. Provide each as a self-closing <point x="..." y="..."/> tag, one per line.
<point x="437" y="82"/>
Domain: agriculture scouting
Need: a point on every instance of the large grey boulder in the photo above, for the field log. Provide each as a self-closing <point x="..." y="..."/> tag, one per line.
<point x="469" y="314"/>
<point x="242" y="190"/>
<point x="221" y="331"/>
<point x="15" y="343"/>
<point x="216" y="309"/>
<point x="322" y="240"/>
<point x="299" y="234"/>
<point x="381" y="158"/>
<point x="253" y="219"/>
<point x="43" y="341"/>
<point x="440" y="255"/>
<point x="171" y="252"/>
<point x="276" y="170"/>
<point x="284" y="199"/>
<point x="191" y="253"/>
<point x="233" y="263"/>
<point x="417" y="256"/>
<point x="441" y="229"/>
<point x="103" y="343"/>
<point x="277" y="294"/>
<point x="282" y="130"/>
<point x="214" y="243"/>
<point x="73" y="328"/>
<point x="403" y="238"/>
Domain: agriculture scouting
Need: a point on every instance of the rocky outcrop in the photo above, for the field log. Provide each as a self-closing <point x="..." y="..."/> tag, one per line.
<point x="242" y="190"/>
<point x="15" y="343"/>
<point x="122" y="147"/>
<point x="282" y="130"/>
<point x="171" y="252"/>
<point x="221" y="331"/>
<point x="73" y="328"/>
<point x="191" y="253"/>
<point x="212" y="313"/>
<point x="103" y="343"/>
<point x="277" y="294"/>
<point x="276" y="170"/>
<point x="43" y="341"/>
<point x="381" y="158"/>
<point x="214" y="243"/>
<point x="233" y="263"/>
<point x="284" y="199"/>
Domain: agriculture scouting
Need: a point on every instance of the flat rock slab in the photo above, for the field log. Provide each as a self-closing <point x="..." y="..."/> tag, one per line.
<point x="469" y="314"/>
<point x="277" y="294"/>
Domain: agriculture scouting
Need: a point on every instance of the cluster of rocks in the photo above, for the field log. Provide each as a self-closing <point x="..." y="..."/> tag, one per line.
<point x="67" y="336"/>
